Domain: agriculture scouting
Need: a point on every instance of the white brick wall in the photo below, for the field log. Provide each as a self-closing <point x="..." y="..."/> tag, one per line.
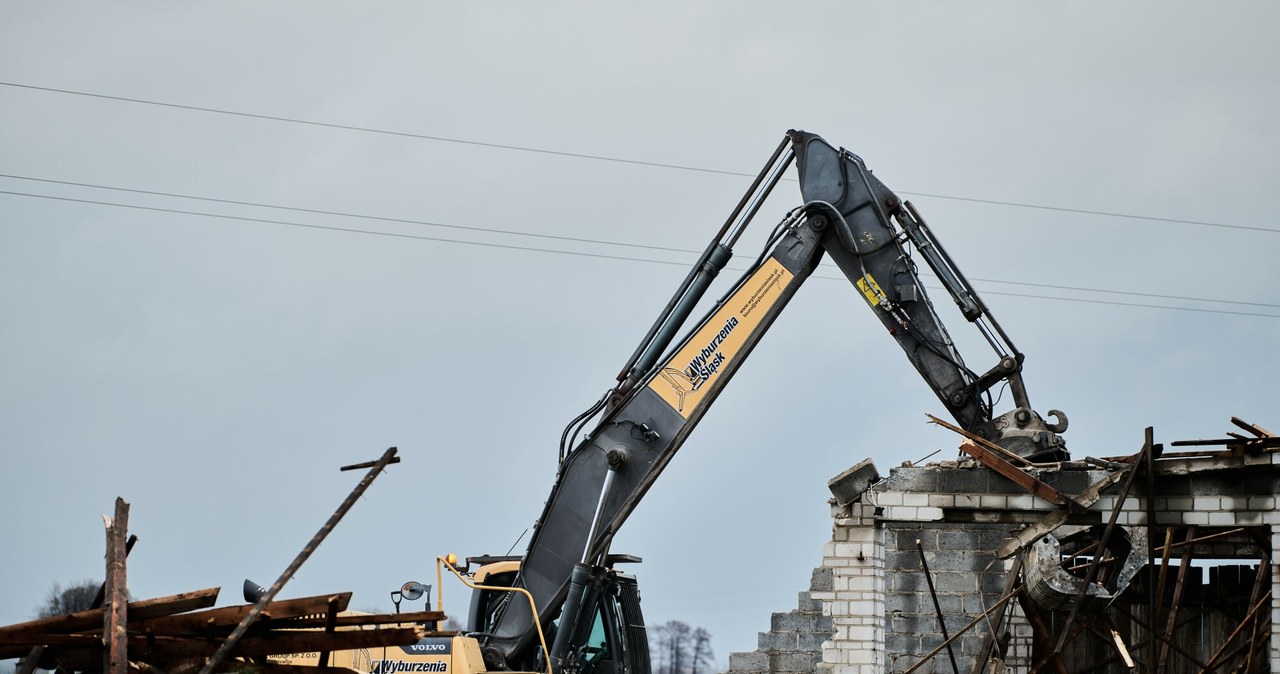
<point x="1275" y="601"/>
<point x="856" y="603"/>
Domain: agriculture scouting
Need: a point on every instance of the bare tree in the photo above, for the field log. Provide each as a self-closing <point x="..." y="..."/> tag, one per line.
<point x="77" y="597"/>
<point x="702" y="653"/>
<point x="677" y="648"/>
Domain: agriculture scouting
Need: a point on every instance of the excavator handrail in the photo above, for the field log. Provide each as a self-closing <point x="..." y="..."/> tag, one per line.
<point x="542" y="640"/>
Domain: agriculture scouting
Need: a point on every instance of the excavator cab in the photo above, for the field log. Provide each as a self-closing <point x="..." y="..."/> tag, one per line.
<point x="606" y="636"/>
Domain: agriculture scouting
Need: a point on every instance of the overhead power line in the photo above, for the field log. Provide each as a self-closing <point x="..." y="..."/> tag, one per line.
<point x="555" y="237"/>
<point x="619" y="160"/>
<point x="353" y="230"/>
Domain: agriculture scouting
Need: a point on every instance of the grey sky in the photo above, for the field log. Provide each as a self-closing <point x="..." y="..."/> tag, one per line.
<point x="216" y="372"/>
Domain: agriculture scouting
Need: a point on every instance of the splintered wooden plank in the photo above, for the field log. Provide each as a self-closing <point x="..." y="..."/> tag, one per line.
<point x="115" y="609"/>
<point x="229" y="616"/>
<point x="1252" y="428"/>
<point x="91" y="619"/>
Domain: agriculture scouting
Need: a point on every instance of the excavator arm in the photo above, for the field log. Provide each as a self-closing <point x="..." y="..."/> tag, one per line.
<point x="663" y="391"/>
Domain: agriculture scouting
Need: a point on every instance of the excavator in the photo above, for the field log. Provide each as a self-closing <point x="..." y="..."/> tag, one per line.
<point x="564" y="606"/>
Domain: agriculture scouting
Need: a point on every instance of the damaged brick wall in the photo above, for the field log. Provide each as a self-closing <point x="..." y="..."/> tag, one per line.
<point x="879" y="612"/>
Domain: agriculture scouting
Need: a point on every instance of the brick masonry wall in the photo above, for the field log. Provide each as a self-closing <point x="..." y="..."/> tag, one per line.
<point x="869" y="610"/>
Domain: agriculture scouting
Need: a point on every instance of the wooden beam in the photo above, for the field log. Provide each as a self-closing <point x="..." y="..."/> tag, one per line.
<point x="229" y="645"/>
<point x="279" y="642"/>
<point x="227" y="617"/>
<point x="92" y="618"/>
<point x="116" y="604"/>
<point x="1022" y="478"/>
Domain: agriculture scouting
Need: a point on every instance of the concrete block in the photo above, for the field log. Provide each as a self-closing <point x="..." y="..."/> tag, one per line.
<point x="1197" y="518"/>
<point x="813" y="641"/>
<point x="822" y="580"/>
<point x="791" y="622"/>
<point x="754" y="661"/>
<point x="777" y="641"/>
<point x="792" y="662"/>
<point x="947" y="581"/>
<point x="963" y="481"/>
<point x="849" y="486"/>
<point x="968" y="500"/>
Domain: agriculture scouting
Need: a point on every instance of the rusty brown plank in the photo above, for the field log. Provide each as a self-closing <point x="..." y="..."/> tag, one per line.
<point x="1022" y="478"/>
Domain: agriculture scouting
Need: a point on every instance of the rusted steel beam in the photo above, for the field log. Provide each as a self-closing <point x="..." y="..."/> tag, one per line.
<point x="115" y="613"/>
<point x="1022" y="478"/>
<point x="230" y="643"/>
<point x="937" y="607"/>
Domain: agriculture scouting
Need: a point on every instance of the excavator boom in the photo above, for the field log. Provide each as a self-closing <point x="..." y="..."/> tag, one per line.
<point x="664" y="391"/>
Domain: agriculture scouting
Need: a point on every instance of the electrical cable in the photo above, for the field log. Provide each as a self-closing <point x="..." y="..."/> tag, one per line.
<point x="690" y="251"/>
<point x="606" y="158"/>
<point x="353" y="230"/>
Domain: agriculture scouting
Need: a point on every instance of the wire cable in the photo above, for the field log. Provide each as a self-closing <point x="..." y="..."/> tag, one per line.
<point x="353" y="230"/>
<point x="606" y="158"/>
<point x="690" y="251"/>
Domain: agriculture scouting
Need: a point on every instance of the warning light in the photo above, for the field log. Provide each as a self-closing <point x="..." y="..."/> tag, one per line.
<point x="452" y="559"/>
